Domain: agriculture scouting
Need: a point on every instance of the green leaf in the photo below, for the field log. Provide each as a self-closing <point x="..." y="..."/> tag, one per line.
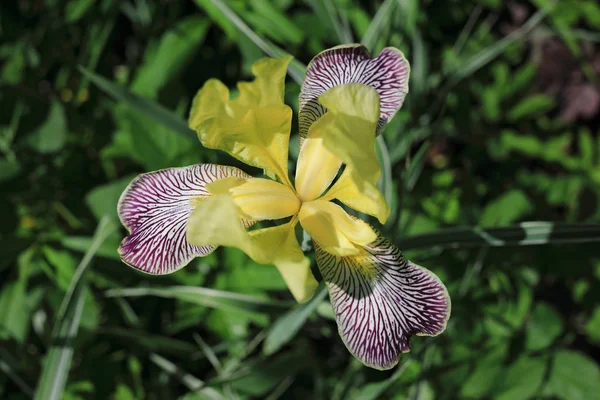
<point x="586" y="148"/>
<point x="375" y="390"/>
<point x="108" y="248"/>
<point x="124" y="393"/>
<point x="265" y="375"/>
<point x="64" y="266"/>
<point x="573" y="376"/>
<point x="9" y="169"/>
<point x="525" y="234"/>
<point x="486" y="373"/>
<point x="56" y="366"/>
<point x="206" y="297"/>
<point x="153" y="146"/>
<point x="51" y="135"/>
<point x="149" y="108"/>
<point x="592" y="326"/>
<point x="522" y="380"/>
<point x="287" y="326"/>
<point x="544" y="326"/>
<point x="166" y="60"/>
<point x="531" y="106"/>
<point x="103" y="199"/>
<point x="14" y="313"/>
<point x="509" y="207"/>
<point x="76" y="9"/>
<point x="14" y="67"/>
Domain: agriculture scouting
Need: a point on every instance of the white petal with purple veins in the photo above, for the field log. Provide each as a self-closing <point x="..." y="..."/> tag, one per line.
<point x="380" y="299"/>
<point x="155" y="208"/>
<point x="387" y="73"/>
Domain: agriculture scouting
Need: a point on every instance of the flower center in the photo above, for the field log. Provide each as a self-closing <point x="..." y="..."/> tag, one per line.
<point x="262" y="199"/>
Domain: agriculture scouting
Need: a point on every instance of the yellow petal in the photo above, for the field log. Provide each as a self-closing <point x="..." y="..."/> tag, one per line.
<point x="223" y="186"/>
<point x="216" y="221"/>
<point x="316" y="168"/>
<point x="281" y="244"/>
<point x="335" y="230"/>
<point x="367" y="199"/>
<point x="262" y="199"/>
<point x="255" y="126"/>
<point x="268" y="87"/>
<point x="348" y="131"/>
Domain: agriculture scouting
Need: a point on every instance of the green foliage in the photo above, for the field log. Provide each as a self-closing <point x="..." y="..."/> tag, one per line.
<point x="51" y="135"/>
<point x="573" y="376"/>
<point x="490" y="186"/>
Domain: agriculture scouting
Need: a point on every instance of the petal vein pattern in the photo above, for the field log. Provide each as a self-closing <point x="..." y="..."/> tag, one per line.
<point x="380" y="299"/>
<point x="387" y="73"/>
<point x="155" y="209"/>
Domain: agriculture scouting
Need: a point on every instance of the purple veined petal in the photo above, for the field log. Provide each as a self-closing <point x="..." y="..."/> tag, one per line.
<point x="380" y="299"/>
<point x="155" y="208"/>
<point x="387" y="73"/>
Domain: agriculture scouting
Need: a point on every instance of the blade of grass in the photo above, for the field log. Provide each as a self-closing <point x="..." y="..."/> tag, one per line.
<point x="56" y="367"/>
<point x="148" y="341"/>
<point x="385" y="183"/>
<point x="326" y="12"/>
<point x="382" y="17"/>
<point x="416" y="167"/>
<point x="525" y="234"/>
<point x="486" y="55"/>
<point x="8" y="365"/>
<point x="296" y="69"/>
<point x="147" y="107"/>
<point x="287" y="326"/>
<point x="206" y="297"/>
<point x="191" y="382"/>
<point x="467" y="29"/>
<point x="373" y="391"/>
<point x="281" y="388"/>
<point x="98" y="37"/>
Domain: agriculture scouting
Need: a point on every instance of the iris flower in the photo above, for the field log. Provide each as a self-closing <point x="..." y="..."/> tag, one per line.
<point x="379" y="297"/>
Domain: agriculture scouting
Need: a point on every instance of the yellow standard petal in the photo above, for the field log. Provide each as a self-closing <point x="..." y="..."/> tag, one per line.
<point x="336" y="231"/>
<point x="255" y="126"/>
<point x="348" y="131"/>
<point x="262" y="199"/>
<point x="317" y="167"/>
<point x="216" y="221"/>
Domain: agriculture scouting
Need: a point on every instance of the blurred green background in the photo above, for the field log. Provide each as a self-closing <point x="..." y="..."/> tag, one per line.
<point x="499" y="130"/>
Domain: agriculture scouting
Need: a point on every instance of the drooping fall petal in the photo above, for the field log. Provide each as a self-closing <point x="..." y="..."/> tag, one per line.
<point x="387" y="73"/>
<point x="255" y="126"/>
<point x="380" y="299"/>
<point x="216" y="221"/>
<point x="348" y="131"/>
<point x="155" y="208"/>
